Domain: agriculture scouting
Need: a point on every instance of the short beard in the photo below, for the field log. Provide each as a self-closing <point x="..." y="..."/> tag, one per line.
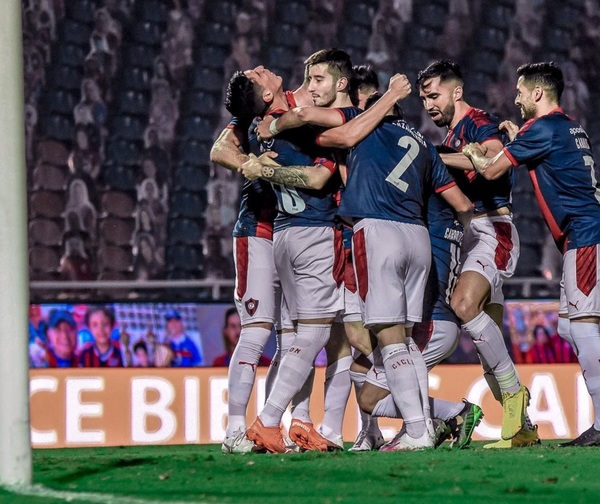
<point x="447" y="116"/>
<point x="528" y="112"/>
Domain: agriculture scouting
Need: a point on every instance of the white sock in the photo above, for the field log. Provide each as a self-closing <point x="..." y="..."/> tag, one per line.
<point x="489" y="343"/>
<point x="404" y="387"/>
<point x="337" y="391"/>
<point x="386" y="407"/>
<point x="300" y="407"/>
<point x="444" y="410"/>
<point x="367" y="422"/>
<point x="284" y="340"/>
<point x="422" y="374"/>
<point x="241" y="374"/>
<point x="294" y="368"/>
<point x="586" y="336"/>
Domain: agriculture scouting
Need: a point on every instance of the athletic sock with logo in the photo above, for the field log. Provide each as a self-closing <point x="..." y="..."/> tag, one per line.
<point x="422" y="374"/>
<point x="294" y="368"/>
<point x="242" y="373"/>
<point x="489" y="343"/>
<point x="404" y="386"/>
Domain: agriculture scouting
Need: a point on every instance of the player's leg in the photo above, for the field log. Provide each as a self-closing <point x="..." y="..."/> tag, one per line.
<point x="256" y="284"/>
<point x="582" y="292"/>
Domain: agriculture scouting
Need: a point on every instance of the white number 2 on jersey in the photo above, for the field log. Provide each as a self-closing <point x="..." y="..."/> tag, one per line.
<point x="589" y="161"/>
<point x="412" y="149"/>
<point x="291" y="201"/>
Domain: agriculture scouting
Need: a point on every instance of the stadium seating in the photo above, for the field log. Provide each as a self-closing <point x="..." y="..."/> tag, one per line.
<point x="199" y="102"/>
<point x="116" y="230"/>
<point x="188" y="204"/>
<point x="48" y="204"/>
<point x="190" y="177"/>
<point x="75" y="32"/>
<point x="185" y="231"/>
<point x="43" y="262"/>
<point x="45" y="232"/>
<point x="117" y="203"/>
<point x="50" y="177"/>
<point x="136" y="78"/>
<point x="120" y="177"/>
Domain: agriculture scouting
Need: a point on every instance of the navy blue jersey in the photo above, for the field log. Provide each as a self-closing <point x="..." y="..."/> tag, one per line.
<point x="446" y="235"/>
<point x="557" y="152"/>
<point x="389" y="173"/>
<point x="257" y="201"/>
<point x="298" y="206"/>
<point x="486" y="195"/>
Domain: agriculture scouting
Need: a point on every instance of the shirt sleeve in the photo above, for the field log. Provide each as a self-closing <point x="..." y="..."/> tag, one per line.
<point x="533" y="142"/>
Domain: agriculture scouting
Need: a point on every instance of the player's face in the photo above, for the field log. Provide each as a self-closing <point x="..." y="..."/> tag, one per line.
<point x="100" y="327"/>
<point x="63" y="340"/>
<point x="525" y="101"/>
<point x="437" y="100"/>
<point x="321" y="85"/>
<point x="265" y="79"/>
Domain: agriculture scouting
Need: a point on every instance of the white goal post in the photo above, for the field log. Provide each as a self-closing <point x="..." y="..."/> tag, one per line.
<point x="15" y="448"/>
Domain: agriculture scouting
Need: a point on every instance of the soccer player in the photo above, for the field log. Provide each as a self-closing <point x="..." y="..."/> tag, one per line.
<point x="388" y="174"/>
<point x="557" y="153"/>
<point x="359" y="337"/>
<point x="437" y="334"/>
<point x="307" y="253"/>
<point x="258" y="293"/>
<point x="490" y="247"/>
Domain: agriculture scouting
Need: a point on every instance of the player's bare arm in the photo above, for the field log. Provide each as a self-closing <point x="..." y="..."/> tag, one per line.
<point x="511" y="129"/>
<point x="227" y="149"/>
<point x="460" y="203"/>
<point x="459" y="161"/>
<point x="356" y="130"/>
<point x="490" y="168"/>
<point x="299" y="116"/>
<point x="310" y="177"/>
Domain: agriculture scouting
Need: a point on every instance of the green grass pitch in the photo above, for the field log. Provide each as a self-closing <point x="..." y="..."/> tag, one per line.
<point x="202" y="474"/>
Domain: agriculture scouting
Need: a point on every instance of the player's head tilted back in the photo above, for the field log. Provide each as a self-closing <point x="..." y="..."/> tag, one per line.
<point x="537" y="83"/>
<point x="364" y="84"/>
<point x="250" y="93"/>
<point x="441" y="87"/>
<point x="329" y="73"/>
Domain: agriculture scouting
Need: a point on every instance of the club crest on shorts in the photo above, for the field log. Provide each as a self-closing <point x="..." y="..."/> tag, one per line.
<point x="251" y="306"/>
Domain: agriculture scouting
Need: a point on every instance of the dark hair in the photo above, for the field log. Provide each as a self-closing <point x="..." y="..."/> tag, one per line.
<point x="337" y="60"/>
<point x="365" y="75"/>
<point x="444" y="69"/>
<point x="547" y="75"/>
<point x="106" y="310"/>
<point x="375" y="96"/>
<point x="140" y="345"/>
<point x="228" y="313"/>
<point x="543" y="328"/>
<point x="242" y="100"/>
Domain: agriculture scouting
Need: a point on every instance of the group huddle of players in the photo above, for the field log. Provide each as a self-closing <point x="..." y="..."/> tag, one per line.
<point x="356" y="234"/>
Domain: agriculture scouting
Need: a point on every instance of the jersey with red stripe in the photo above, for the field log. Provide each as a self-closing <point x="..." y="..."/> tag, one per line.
<point x="297" y="206"/>
<point x="389" y="173"/>
<point x="446" y="235"/>
<point x="257" y="201"/>
<point x="556" y="150"/>
<point x="479" y="126"/>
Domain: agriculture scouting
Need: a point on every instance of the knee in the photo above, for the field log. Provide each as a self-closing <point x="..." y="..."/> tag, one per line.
<point x="466" y="309"/>
<point x="365" y="401"/>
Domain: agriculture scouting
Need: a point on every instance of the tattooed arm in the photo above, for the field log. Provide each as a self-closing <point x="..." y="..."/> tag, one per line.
<point x="310" y="177"/>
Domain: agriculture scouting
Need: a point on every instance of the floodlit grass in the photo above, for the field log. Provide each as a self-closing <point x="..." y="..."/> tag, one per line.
<point x="202" y="474"/>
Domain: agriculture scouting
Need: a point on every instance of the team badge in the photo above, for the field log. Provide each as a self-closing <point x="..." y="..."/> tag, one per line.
<point x="457" y="143"/>
<point x="251" y="306"/>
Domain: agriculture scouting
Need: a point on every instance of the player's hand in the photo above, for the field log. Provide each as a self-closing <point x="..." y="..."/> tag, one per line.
<point x="511" y="129"/>
<point x="262" y="130"/>
<point x="474" y="149"/>
<point x="252" y="168"/>
<point x="400" y="86"/>
<point x="267" y="158"/>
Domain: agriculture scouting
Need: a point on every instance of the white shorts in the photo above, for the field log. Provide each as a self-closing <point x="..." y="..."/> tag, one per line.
<point x="436" y="342"/>
<point x="491" y="248"/>
<point x="579" y="289"/>
<point x="392" y="261"/>
<point x="257" y="289"/>
<point x="352" y="306"/>
<point x="309" y="265"/>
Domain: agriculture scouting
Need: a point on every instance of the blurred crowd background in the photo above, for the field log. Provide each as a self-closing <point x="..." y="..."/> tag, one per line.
<point x="123" y="99"/>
